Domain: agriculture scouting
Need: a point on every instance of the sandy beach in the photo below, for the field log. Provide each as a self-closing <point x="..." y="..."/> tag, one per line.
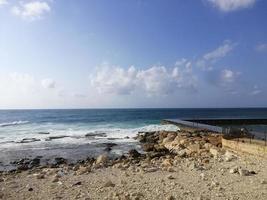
<point x="175" y="166"/>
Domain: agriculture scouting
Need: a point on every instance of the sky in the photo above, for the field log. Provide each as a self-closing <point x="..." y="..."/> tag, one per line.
<point x="133" y="53"/>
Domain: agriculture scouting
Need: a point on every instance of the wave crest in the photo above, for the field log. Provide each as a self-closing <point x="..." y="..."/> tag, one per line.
<point x="13" y="123"/>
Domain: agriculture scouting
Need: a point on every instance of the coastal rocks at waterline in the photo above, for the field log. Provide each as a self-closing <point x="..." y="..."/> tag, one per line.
<point x="183" y="144"/>
<point x="28" y="140"/>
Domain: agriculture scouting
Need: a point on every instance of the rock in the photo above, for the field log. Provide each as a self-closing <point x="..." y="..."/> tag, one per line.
<point x="134" y="154"/>
<point x="56" y="137"/>
<point x="34" y="162"/>
<point x="83" y="170"/>
<point x="203" y="177"/>
<point x="109" y="184"/>
<point x="233" y="170"/>
<point x="43" y="133"/>
<point x="28" y="140"/>
<point x="77" y="183"/>
<point x="214" y="152"/>
<point x="170" y="169"/>
<point x="148" y="147"/>
<point x="166" y="163"/>
<point x="93" y="135"/>
<point x="182" y="153"/>
<point x="170" y="198"/>
<point x="207" y="146"/>
<point x="40" y="176"/>
<point x="55" y="179"/>
<point x="194" y="148"/>
<point x="170" y="176"/>
<point x="101" y="160"/>
<point x="243" y="172"/>
<point x="60" y="161"/>
<point x="30" y="189"/>
<point x="228" y="156"/>
<point x="215" y="183"/>
<point x="263" y="182"/>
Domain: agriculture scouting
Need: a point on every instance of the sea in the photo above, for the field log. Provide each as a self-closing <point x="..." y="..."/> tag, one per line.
<point x="76" y="134"/>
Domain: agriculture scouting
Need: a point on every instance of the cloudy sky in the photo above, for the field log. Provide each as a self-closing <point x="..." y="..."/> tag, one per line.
<point x="133" y="53"/>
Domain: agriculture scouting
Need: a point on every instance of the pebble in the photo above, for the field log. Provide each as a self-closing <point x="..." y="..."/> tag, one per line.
<point x="170" y="198"/>
<point x="233" y="170"/>
<point x="109" y="184"/>
<point x="170" y="176"/>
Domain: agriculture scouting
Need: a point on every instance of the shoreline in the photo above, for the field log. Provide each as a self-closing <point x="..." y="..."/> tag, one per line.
<point x="176" y="165"/>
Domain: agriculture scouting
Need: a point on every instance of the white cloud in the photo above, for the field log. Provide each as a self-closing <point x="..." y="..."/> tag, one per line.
<point x="31" y="10"/>
<point x="228" y="76"/>
<point x="156" y="80"/>
<point x="261" y="47"/>
<point x="110" y="79"/>
<point x="255" y="91"/>
<point x="48" y="83"/>
<point x="3" y="2"/>
<point x="210" y="58"/>
<point x="220" y="52"/>
<point x="232" y="5"/>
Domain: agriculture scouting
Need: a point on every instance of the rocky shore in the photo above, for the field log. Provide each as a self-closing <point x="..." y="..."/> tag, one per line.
<point x="174" y="165"/>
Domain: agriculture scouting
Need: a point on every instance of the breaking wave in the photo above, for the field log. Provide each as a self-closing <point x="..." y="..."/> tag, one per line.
<point x="15" y="123"/>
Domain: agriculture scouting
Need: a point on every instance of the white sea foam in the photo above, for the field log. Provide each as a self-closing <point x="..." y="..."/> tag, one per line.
<point x="77" y="135"/>
<point x="13" y="123"/>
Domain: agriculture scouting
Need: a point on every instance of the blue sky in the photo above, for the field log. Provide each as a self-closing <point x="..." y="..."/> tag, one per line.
<point x="133" y="53"/>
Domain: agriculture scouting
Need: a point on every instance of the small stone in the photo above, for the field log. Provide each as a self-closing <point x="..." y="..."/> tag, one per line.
<point x="233" y="170"/>
<point x="215" y="183"/>
<point x="77" y="183"/>
<point x="101" y="160"/>
<point x="55" y="179"/>
<point x="203" y="177"/>
<point x="170" y="198"/>
<point x="170" y="176"/>
<point x="170" y="169"/>
<point x="109" y="184"/>
<point x="40" y="176"/>
<point x="214" y="152"/>
<point x="166" y="163"/>
<point x="83" y="170"/>
<point x="243" y="172"/>
<point x="228" y="156"/>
